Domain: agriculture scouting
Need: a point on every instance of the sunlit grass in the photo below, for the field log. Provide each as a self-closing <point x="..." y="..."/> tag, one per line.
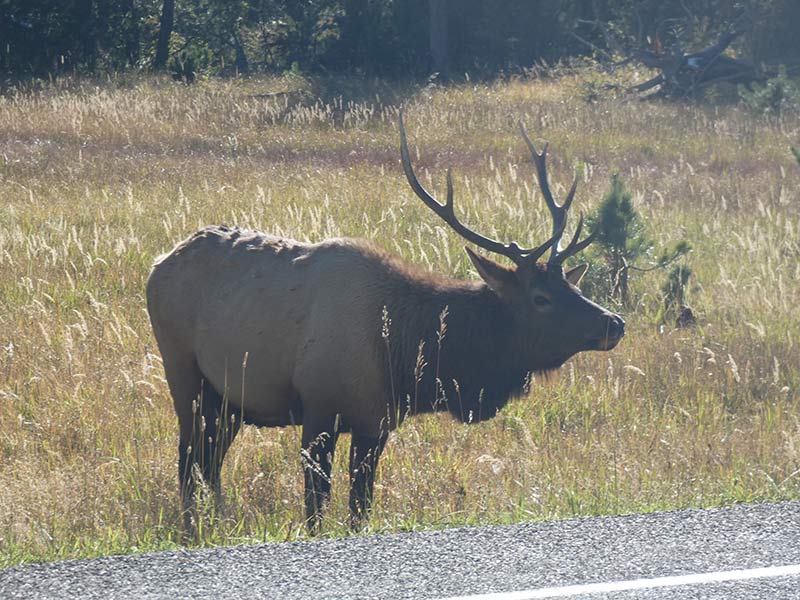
<point x="97" y="180"/>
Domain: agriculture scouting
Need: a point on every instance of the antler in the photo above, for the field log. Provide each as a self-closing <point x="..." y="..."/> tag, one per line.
<point x="445" y="211"/>
<point x="559" y="212"/>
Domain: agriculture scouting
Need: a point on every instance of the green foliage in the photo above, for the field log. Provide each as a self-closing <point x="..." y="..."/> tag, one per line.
<point x="621" y="238"/>
<point x="192" y="59"/>
<point x="212" y="34"/>
<point x="675" y="309"/>
<point x="621" y="229"/>
<point x="779" y="94"/>
<point x="796" y="152"/>
<point x="49" y="36"/>
<point x="623" y="246"/>
<point x="773" y="39"/>
<point x="674" y="288"/>
<point x="596" y="84"/>
<point x="383" y="37"/>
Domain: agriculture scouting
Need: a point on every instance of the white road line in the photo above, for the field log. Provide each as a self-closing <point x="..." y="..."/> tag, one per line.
<point x="637" y="584"/>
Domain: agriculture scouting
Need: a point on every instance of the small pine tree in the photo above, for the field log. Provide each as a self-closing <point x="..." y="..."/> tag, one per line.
<point x="796" y="152"/>
<point x="621" y="236"/>
<point x="779" y="94"/>
<point x="623" y="243"/>
<point x="674" y="289"/>
<point x="674" y="294"/>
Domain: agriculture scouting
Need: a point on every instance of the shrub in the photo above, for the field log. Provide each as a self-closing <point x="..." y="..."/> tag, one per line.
<point x="623" y="246"/>
<point x="778" y="95"/>
<point x="674" y="295"/>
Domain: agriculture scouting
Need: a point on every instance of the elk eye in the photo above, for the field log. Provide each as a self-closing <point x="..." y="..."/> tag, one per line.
<point x="541" y="301"/>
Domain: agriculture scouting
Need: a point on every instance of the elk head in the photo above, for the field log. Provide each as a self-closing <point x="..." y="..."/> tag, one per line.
<point x="553" y="319"/>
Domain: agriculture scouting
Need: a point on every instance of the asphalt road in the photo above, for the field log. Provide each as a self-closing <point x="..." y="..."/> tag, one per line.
<point x="536" y="560"/>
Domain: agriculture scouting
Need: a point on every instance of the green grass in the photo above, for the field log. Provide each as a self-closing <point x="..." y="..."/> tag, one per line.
<point x="98" y="180"/>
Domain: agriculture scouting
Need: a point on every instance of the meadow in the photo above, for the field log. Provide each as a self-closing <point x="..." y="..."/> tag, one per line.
<point x="97" y="178"/>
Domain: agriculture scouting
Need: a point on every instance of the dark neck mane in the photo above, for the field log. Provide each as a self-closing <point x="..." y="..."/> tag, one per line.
<point x="477" y="364"/>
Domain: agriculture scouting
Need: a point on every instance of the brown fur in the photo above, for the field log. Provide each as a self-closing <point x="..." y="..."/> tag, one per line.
<point x="278" y="332"/>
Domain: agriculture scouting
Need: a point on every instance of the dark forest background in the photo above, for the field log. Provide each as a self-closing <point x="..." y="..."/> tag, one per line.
<point x="386" y="38"/>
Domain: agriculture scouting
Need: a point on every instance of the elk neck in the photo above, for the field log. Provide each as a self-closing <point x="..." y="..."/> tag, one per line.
<point x="472" y="361"/>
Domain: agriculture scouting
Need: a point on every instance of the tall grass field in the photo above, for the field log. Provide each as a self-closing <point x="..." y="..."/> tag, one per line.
<point x="99" y="178"/>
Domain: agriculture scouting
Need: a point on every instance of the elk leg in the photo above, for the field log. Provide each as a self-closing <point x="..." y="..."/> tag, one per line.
<point x="364" y="454"/>
<point x="319" y="443"/>
<point x="184" y="380"/>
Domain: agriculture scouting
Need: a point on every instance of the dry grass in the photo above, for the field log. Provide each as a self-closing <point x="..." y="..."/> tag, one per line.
<point x="96" y="181"/>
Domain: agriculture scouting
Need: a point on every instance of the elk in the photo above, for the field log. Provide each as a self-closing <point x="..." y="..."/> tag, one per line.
<point x="339" y="336"/>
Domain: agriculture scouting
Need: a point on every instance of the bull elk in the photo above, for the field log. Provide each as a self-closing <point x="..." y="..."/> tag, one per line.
<point x="339" y="336"/>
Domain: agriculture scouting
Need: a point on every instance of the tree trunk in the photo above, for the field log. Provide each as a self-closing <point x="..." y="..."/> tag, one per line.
<point x="87" y="33"/>
<point x="438" y="37"/>
<point x="132" y="35"/>
<point x="164" y="33"/>
<point x="242" y="66"/>
<point x="359" y="30"/>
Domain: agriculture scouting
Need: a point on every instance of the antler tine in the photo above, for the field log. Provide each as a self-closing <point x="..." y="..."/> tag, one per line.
<point x="574" y="245"/>
<point x="446" y="211"/>
<point x="559" y="212"/>
<point x="540" y="159"/>
<point x="537" y="253"/>
<point x="570" y="195"/>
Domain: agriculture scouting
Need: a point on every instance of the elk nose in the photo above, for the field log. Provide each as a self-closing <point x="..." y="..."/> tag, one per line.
<point x="615" y="326"/>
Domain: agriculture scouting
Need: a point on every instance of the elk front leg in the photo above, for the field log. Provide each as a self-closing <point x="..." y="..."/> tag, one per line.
<point x="364" y="454"/>
<point x="319" y="444"/>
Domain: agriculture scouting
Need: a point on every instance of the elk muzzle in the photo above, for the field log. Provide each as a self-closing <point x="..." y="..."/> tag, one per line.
<point x="612" y="331"/>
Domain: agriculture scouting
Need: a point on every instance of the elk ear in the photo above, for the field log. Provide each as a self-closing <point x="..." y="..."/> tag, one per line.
<point x="501" y="279"/>
<point x="575" y="274"/>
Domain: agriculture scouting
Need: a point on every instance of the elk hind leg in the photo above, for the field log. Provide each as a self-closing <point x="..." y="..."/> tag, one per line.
<point x="214" y="427"/>
<point x="184" y="380"/>
<point x="218" y="426"/>
<point x="365" y="451"/>
<point x="207" y="426"/>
